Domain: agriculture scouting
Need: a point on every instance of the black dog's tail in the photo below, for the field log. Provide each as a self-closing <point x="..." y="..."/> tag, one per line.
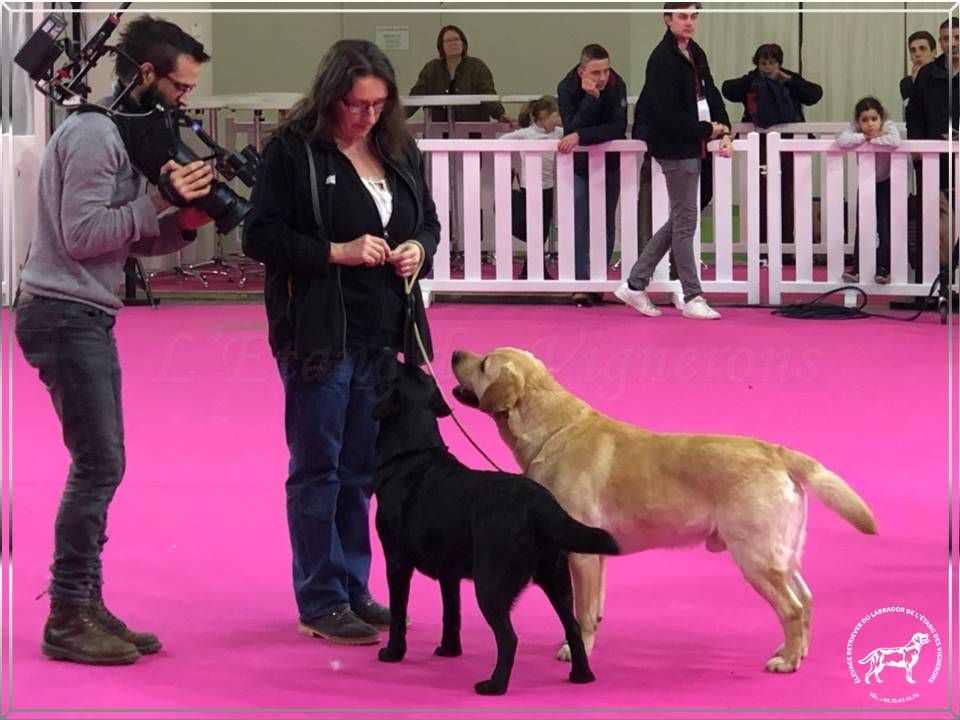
<point x="571" y="535"/>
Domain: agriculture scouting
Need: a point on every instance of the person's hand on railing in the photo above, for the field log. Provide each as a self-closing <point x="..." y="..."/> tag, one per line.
<point x="406" y="258"/>
<point x="568" y="142"/>
<point x="368" y="250"/>
<point x="719" y="129"/>
<point x="726" y="146"/>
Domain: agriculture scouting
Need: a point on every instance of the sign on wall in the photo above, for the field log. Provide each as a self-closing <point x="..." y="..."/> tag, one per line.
<point x="393" y="37"/>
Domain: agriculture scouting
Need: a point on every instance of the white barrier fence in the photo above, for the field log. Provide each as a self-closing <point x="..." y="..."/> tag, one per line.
<point x="863" y="200"/>
<point x="735" y="266"/>
<point x="468" y="155"/>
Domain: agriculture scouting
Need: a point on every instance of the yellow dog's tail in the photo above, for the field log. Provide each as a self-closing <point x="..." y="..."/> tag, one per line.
<point x="830" y="489"/>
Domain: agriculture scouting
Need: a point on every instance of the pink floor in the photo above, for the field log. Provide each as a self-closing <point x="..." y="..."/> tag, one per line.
<point x="199" y="551"/>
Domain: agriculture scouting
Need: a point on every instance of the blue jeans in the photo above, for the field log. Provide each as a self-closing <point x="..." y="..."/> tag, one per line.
<point x="72" y="346"/>
<point x="581" y="221"/>
<point x="331" y="435"/>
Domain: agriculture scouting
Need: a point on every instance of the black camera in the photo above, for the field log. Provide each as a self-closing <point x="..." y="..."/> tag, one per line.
<point x="151" y="138"/>
<point x="154" y="138"/>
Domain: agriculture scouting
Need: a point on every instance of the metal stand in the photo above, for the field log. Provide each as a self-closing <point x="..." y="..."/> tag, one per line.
<point x="133" y="276"/>
<point x="179" y="271"/>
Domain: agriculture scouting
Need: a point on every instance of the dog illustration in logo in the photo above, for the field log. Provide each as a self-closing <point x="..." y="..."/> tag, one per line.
<point x="904" y="657"/>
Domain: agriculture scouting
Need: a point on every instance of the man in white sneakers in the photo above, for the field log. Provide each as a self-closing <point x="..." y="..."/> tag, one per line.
<point x="686" y="111"/>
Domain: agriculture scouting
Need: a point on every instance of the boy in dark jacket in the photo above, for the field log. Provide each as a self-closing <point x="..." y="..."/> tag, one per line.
<point x="684" y="111"/>
<point x="593" y="107"/>
<point x="772" y="95"/>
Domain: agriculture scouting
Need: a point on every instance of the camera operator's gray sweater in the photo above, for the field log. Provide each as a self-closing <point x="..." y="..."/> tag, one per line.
<point x="93" y="213"/>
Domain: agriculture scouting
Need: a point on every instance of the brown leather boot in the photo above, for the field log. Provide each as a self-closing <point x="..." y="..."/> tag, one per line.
<point x="146" y="643"/>
<point x="73" y="633"/>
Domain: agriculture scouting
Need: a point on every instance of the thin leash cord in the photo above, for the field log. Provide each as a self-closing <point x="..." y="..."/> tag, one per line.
<point x="408" y="289"/>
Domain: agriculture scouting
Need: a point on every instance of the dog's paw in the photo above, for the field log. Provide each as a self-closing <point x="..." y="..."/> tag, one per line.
<point x="391" y="654"/>
<point x="489" y="687"/>
<point x="448" y="650"/>
<point x="582" y="676"/>
<point x="778" y="664"/>
<point x="563" y="653"/>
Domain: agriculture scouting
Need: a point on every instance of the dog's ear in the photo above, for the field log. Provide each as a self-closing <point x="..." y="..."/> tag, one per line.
<point x="503" y="393"/>
<point x="386" y="371"/>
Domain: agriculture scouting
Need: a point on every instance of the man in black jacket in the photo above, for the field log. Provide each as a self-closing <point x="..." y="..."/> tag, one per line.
<point x="923" y="50"/>
<point x="593" y="107"/>
<point x="934" y="109"/>
<point x="684" y="111"/>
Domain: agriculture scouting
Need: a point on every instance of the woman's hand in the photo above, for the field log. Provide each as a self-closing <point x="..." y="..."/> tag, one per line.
<point x="406" y="258"/>
<point x="368" y="250"/>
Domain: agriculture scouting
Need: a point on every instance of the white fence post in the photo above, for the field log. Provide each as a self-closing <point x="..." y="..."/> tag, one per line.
<point x="774" y="212"/>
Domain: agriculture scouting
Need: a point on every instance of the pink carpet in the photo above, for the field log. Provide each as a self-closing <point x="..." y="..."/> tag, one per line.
<point x="199" y="552"/>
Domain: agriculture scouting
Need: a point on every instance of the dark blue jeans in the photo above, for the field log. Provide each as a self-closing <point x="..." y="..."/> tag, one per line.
<point x="581" y="221"/>
<point x="73" y="348"/>
<point x="332" y="436"/>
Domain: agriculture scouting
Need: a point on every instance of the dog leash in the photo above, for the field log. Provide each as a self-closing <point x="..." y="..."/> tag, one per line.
<point x="408" y="283"/>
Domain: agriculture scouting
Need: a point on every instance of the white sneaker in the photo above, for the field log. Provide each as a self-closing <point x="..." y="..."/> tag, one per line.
<point x="637" y="299"/>
<point x="699" y="310"/>
<point x="678" y="300"/>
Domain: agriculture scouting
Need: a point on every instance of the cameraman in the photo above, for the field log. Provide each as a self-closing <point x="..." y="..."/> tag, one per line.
<point x="95" y="209"/>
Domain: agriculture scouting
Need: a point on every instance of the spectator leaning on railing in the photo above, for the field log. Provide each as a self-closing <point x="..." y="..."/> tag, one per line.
<point x="593" y="107"/>
<point x="871" y="125"/>
<point x="539" y="120"/>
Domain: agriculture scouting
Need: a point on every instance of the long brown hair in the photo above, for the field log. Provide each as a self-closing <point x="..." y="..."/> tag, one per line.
<point x="314" y="117"/>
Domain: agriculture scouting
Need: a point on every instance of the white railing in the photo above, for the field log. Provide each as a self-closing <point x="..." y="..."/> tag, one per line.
<point x="833" y="238"/>
<point x="465" y="156"/>
<point x="820" y="130"/>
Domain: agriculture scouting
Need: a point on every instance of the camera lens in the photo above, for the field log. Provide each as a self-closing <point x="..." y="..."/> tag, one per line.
<point x="224" y="206"/>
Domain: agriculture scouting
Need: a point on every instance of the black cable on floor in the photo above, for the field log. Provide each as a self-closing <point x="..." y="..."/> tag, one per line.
<point x="816" y="309"/>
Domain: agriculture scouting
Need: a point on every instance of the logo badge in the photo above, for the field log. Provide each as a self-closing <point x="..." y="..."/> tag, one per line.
<point x="894" y="652"/>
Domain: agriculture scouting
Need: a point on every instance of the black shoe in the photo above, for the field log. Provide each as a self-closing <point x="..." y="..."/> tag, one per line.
<point x="146" y="643"/>
<point x="372" y="613"/>
<point x="341" y="626"/>
<point x="73" y="633"/>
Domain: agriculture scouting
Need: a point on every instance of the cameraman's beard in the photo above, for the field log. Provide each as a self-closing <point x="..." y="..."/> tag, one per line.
<point x="151" y="97"/>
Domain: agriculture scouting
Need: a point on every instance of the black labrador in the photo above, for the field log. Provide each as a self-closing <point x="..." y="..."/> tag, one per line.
<point x="451" y="522"/>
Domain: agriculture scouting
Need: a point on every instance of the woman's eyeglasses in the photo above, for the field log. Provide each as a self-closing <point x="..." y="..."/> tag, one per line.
<point x="359" y="108"/>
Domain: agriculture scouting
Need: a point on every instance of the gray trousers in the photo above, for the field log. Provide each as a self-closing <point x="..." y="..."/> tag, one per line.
<point x="682" y="178"/>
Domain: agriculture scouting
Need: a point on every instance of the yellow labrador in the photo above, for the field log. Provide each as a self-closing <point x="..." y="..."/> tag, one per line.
<point x="652" y="490"/>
